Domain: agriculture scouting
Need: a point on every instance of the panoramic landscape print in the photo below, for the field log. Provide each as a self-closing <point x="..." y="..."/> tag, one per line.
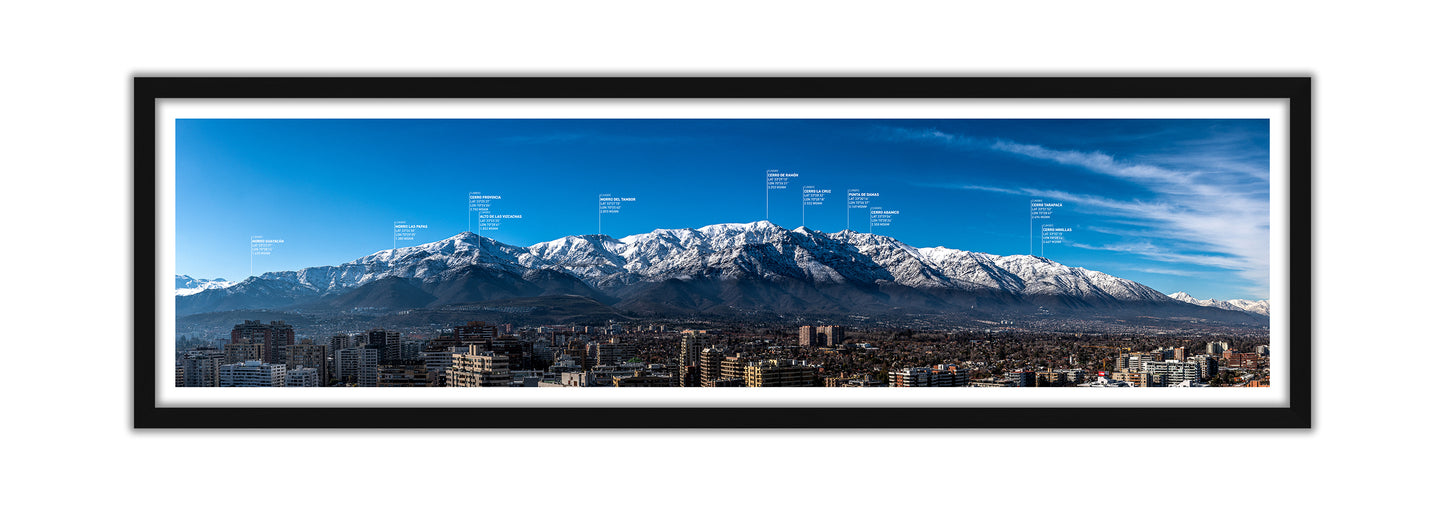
<point x="872" y="253"/>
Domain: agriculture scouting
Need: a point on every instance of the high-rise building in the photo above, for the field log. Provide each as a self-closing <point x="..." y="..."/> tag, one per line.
<point x="542" y="349"/>
<point x="1208" y="365"/>
<point x="689" y="376"/>
<point x="439" y="359"/>
<point x="831" y="335"/>
<point x="478" y="368"/>
<point x="689" y="355"/>
<point x="1134" y="362"/>
<point x="476" y="332"/>
<point x="252" y="374"/>
<point x="487" y="336"/>
<point x="1058" y="378"/>
<point x="1241" y="360"/>
<point x="780" y="373"/>
<point x="942" y="375"/>
<point x="357" y="366"/>
<point x="863" y="381"/>
<point x="911" y="377"/>
<point x="408" y="373"/>
<point x="275" y="337"/>
<point x="734" y="367"/>
<point x="1216" y="347"/>
<point x="518" y="353"/>
<point x="1136" y="378"/>
<point x="826" y="335"/>
<point x="710" y="365"/>
<point x="387" y="343"/>
<point x="243" y="352"/>
<point x="609" y="353"/>
<point x="201" y="367"/>
<point x="577" y="351"/>
<point x="807" y="336"/>
<point x="1021" y="378"/>
<point x="1172" y="372"/>
<point x="309" y="355"/>
<point x="303" y="377"/>
<point x="411" y="348"/>
<point x="340" y="342"/>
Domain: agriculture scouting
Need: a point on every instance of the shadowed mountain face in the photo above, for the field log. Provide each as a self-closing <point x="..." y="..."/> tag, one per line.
<point x="390" y="292"/>
<point x="710" y="270"/>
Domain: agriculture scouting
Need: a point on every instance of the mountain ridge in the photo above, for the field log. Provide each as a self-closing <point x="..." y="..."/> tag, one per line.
<point x="757" y="265"/>
<point x="186" y="285"/>
<point x="1250" y="306"/>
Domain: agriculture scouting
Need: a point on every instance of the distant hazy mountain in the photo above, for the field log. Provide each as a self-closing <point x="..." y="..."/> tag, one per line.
<point x="1251" y="306"/>
<point x="251" y="293"/>
<point x="717" y="268"/>
<point x="186" y="285"/>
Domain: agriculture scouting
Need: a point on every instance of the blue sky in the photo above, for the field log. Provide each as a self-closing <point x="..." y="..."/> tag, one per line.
<point x="1174" y="204"/>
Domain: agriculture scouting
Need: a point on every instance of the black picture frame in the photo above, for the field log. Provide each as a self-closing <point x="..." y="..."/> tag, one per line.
<point x="148" y="90"/>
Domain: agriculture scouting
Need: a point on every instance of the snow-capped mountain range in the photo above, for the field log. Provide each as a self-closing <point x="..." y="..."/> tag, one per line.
<point x="736" y="265"/>
<point x="1252" y="306"/>
<point x="186" y="285"/>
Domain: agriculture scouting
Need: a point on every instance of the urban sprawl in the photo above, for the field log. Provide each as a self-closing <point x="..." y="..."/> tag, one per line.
<point x="479" y="354"/>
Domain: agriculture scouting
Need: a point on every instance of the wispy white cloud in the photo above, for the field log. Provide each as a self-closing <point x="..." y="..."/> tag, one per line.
<point x="1185" y="273"/>
<point x="1221" y="163"/>
<point x="1196" y="211"/>
<point x="1148" y="249"/>
<point x="1170" y="272"/>
<point x="889" y="133"/>
<point x="1097" y="162"/>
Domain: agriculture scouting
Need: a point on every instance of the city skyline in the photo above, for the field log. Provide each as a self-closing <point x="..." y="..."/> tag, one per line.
<point x="1179" y="205"/>
<point x="648" y="354"/>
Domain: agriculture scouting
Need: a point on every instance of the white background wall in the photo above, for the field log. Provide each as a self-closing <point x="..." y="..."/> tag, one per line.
<point x="66" y="198"/>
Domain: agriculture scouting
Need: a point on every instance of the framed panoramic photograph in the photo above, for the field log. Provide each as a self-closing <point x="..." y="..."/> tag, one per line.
<point x="722" y="252"/>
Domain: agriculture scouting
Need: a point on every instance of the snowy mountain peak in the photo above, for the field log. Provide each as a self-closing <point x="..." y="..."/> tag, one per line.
<point x="1252" y="306"/>
<point x="723" y="228"/>
<point x="575" y="240"/>
<point x="1184" y="297"/>
<point x="186" y="285"/>
<point x="464" y="236"/>
<point x="1249" y="306"/>
<point x="754" y="252"/>
<point x="485" y="249"/>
